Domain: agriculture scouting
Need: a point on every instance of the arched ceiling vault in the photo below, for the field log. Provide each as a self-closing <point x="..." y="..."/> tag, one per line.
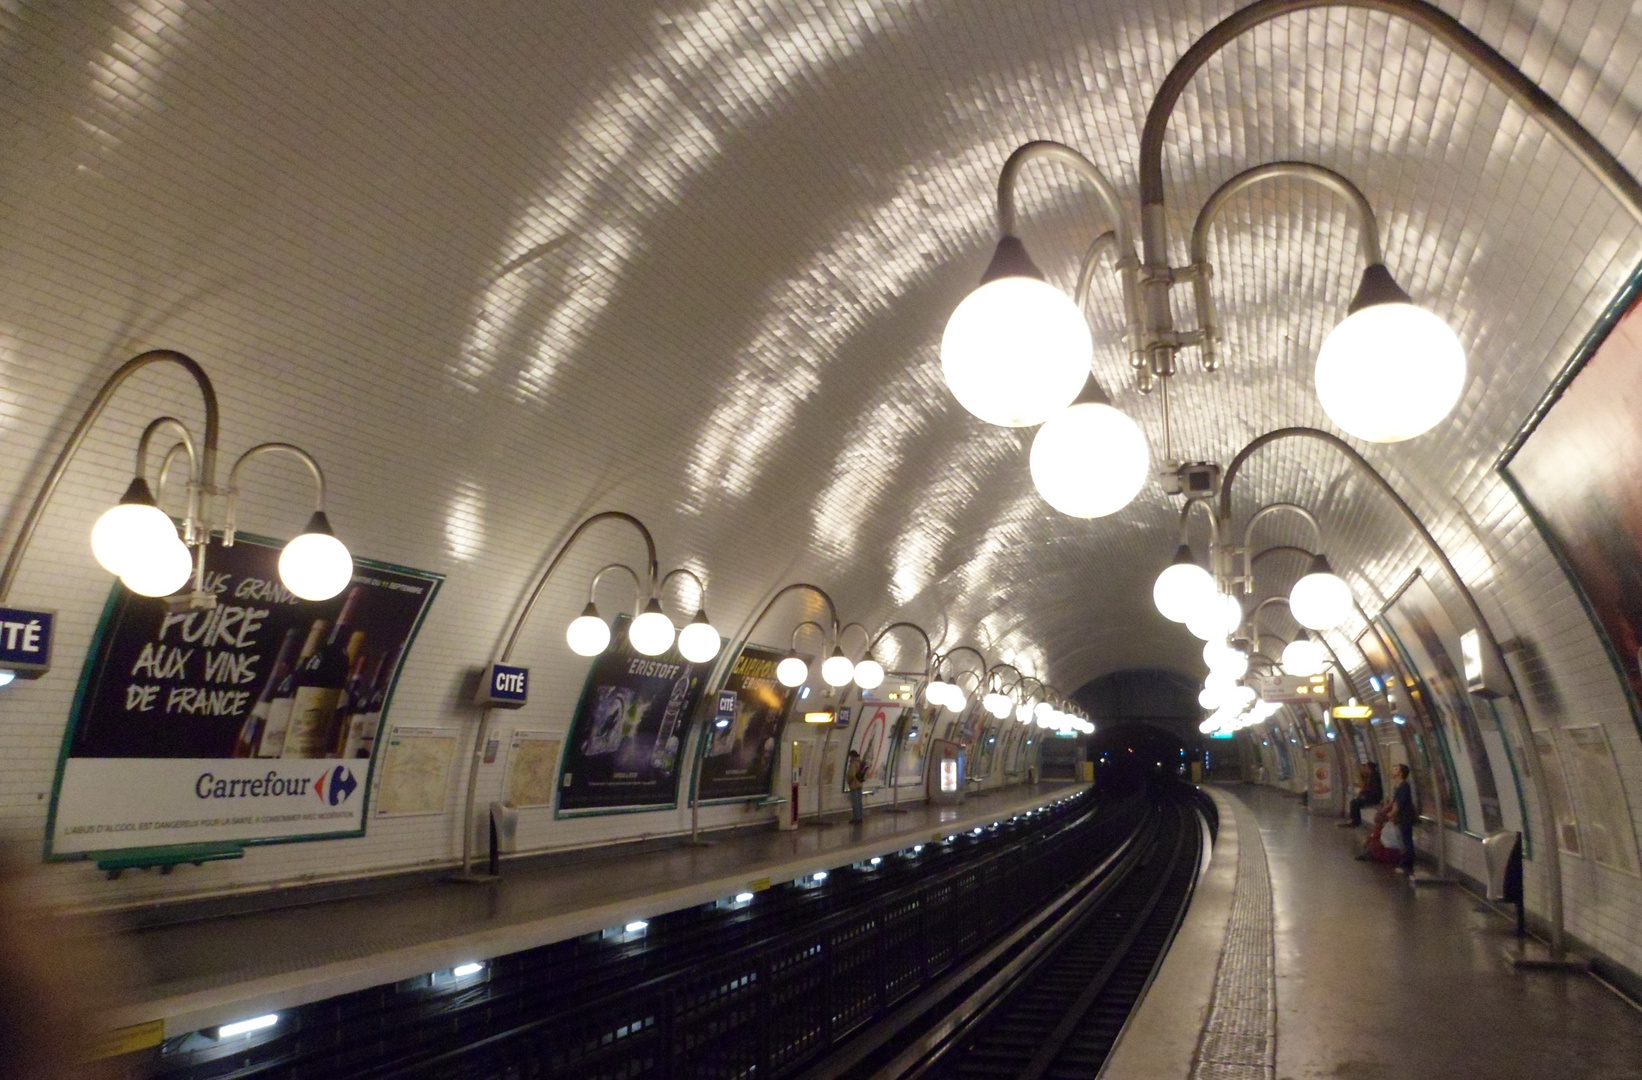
<point x="500" y="265"/>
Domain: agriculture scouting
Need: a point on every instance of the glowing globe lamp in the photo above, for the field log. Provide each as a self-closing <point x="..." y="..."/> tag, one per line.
<point x="1304" y="657"/>
<point x="162" y="571"/>
<point x="1211" y="699"/>
<point x="1017" y="350"/>
<point x="1089" y="460"/>
<point x="836" y="670"/>
<point x="1390" y="370"/>
<point x="1217" y="618"/>
<point x="935" y="693"/>
<point x="587" y="634"/>
<point x="956" y="699"/>
<point x="1321" y="599"/>
<point x="869" y="674"/>
<point x="792" y="671"/>
<point x="1183" y="587"/>
<point x="132" y="531"/>
<point x="316" y="565"/>
<point x="698" y="642"/>
<point x="652" y="632"/>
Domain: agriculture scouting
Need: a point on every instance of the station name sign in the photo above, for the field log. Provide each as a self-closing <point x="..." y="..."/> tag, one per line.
<point x="504" y="686"/>
<point x="25" y="641"/>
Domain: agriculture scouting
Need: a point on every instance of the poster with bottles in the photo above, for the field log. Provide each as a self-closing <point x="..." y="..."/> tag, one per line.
<point x="254" y="721"/>
<point x="630" y="727"/>
<point x="737" y="761"/>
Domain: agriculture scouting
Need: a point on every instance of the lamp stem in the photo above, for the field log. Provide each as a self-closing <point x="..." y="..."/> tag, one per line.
<point x="1519" y="715"/>
<point x="207" y="464"/>
<point x="262" y="450"/>
<point x="512" y="640"/>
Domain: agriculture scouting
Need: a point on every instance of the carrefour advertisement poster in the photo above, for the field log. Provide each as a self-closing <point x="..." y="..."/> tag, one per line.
<point x="631" y="723"/>
<point x="738" y="757"/>
<point x="254" y="721"/>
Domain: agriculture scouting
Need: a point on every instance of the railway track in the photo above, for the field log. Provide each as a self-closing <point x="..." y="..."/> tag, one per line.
<point x="1056" y="1008"/>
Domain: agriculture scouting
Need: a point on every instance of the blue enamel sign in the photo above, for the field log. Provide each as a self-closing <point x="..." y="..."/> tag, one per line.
<point x="504" y="686"/>
<point x="25" y="641"/>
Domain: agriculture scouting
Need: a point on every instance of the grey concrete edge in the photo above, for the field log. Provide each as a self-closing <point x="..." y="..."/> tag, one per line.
<point x="1161" y="1037"/>
<point x="191" y="1011"/>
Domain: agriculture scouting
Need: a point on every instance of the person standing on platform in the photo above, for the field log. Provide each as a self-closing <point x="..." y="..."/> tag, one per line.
<point x="1404" y="814"/>
<point x="1370" y="792"/>
<point x="855" y="778"/>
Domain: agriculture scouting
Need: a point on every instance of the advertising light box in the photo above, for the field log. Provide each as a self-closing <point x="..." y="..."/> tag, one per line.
<point x="254" y="721"/>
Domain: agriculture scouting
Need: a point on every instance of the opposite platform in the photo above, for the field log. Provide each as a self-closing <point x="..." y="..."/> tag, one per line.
<point x="1368" y="977"/>
<point x="210" y="971"/>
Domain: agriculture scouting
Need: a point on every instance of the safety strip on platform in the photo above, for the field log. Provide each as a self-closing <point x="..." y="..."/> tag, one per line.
<point x="1239" y="1042"/>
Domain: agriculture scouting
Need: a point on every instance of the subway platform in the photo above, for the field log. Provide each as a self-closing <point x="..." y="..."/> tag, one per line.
<point x="208" y="967"/>
<point x="1297" y="962"/>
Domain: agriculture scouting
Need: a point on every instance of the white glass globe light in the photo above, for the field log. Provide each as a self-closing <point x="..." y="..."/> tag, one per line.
<point x="1089" y="460"/>
<point x="1304" y="657"/>
<point x="652" y="632"/>
<point x="1210" y="698"/>
<point x="131" y="532"/>
<point x="1182" y="588"/>
<point x="1321" y="599"/>
<point x="1016" y="351"/>
<point x="836" y="670"/>
<point x="316" y="565"/>
<point x="1043" y="710"/>
<point x="1023" y="711"/>
<point x="1222" y="657"/>
<point x="935" y="692"/>
<point x="1216" y="618"/>
<point x="698" y="642"/>
<point x="1390" y="372"/>
<point x="1209" y="726"/>
<point x="161" y="571"/>
<point x="792" y="671"/>
<point x="1219" y="681"/>
<point x="956" y="699"/>
<point x="587" y="634"/>
<point x="869" y="674"/>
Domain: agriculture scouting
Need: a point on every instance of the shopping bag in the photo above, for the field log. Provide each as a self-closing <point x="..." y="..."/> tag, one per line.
<point x="1391" y="837"/>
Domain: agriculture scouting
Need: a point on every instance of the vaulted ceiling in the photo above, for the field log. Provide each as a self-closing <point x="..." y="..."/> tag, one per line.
<point x="500" y="265"/>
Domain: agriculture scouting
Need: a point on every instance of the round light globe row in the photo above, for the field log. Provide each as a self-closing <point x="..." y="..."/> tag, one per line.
<point x="136" y="542"/>
<point x="652" y="634"/>
<point x="1017" y="353"/>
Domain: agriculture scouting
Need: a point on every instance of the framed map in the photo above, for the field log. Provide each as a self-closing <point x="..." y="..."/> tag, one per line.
<point x="532" y="766"/>
<point x="415" y="772"/>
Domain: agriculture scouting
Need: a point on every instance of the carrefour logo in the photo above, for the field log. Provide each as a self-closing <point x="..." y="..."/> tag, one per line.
<point x="341" y="783"/>
<point x="332" y="787"/>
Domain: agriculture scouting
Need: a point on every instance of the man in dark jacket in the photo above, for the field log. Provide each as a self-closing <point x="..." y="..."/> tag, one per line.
<point x="1404" y="814"/>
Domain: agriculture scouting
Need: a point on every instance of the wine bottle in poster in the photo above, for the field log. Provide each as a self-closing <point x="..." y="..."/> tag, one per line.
<point x="272" y="742"/>
<point x="250" y="732"/>
<point x="319" y="686"/>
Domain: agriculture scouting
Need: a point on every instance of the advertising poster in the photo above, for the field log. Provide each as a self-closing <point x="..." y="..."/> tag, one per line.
<point x="1404" y="696"/>
<point x="1577" y="470"/>
<point x="913" y="751"/>
<point x="1423" y="631"/>
<point x="253" y="722"/>
<point x="873" y="737"/>
<point x="738" y="758"/>
<point x="634" y="715"/>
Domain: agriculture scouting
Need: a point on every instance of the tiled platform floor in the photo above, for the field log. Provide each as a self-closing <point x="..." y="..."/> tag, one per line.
<point x="1377" y="980"/>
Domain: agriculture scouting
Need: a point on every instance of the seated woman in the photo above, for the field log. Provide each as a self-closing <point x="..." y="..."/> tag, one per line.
<point x="1370" y="792"/>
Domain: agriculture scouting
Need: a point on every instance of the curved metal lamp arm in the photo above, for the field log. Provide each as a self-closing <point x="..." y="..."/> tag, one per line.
<point x="701" y="586"/>
<point x="512" y="640"/>
<point x="638" y="585"/>
<point x="1254" y="621"/>
<point x="230" y="514"/>
<point x="976" y="653"/>
<point x="1530" y="769"/>
<point x="929" y="646"/>
<point x="1280" y="549"/>
<point x="1128" y="266"/>
<point x="207" y="462"/>
<point x="1440" y="25"/>
<point x="995" y="668"/>
<point x="558" y="556"/>
<point x="792" y="645"/>
<point x="1368" y="235"/>
<point x="1277" y="507"/>
<point x="193" y="530"/>
<point x="865" y="633"/>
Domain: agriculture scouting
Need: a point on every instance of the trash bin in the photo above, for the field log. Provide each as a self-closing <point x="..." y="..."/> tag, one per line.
<point x="1502" y="851"/>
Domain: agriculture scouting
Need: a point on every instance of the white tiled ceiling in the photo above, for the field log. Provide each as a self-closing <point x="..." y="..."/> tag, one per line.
<point x="499" y="265"/>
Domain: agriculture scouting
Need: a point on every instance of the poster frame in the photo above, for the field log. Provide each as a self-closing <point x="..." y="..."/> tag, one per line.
<point x="1628" y="296"/>
<point x="180" y="852"/>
